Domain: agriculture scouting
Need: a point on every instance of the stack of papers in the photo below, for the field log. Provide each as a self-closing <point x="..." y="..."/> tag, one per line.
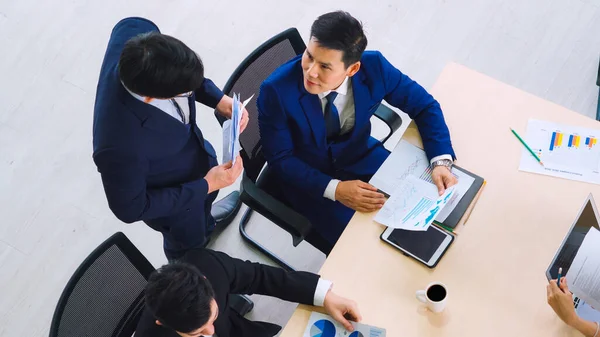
<point x="413" y="205"/>
<point x="408" y="160"/>
<point x="231" y="130"/>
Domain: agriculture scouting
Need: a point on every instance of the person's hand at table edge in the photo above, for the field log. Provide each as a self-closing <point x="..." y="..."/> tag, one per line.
<point x="342" y="310"/>
<point x="561" y="301"/>
<point x="359" y="196"/>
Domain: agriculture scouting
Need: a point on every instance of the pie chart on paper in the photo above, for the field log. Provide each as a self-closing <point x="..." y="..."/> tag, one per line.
<point x="322" y="328"/>
<point x="356" y="334"/>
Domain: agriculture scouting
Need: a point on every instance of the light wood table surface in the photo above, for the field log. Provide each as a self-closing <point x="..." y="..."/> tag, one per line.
<point x="495" y="269"/>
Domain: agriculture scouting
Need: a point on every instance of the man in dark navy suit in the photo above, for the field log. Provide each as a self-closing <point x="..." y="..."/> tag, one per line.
<point x="314" y="117"/>
<point x="155" y="164"/>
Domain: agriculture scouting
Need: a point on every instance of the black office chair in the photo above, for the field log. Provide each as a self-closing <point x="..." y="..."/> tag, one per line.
<point x="246" y="80"/>
<point x="105" y="295"/>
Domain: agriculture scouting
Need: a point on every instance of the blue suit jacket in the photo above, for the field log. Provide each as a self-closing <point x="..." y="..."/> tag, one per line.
<point x="152" y="165"/>
<point x="292" y="127"/>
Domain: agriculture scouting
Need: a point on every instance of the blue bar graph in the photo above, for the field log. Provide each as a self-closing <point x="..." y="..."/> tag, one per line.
<point x="552" y="141"/>
<point x="423" y="205"/>
<point x="570" y="140"/>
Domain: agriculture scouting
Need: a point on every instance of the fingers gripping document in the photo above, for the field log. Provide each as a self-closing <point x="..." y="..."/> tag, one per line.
<point x="583" y="277"/>
<point x="231" y="130"/>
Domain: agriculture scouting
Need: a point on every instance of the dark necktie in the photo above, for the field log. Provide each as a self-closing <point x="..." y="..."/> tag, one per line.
<point x="332" y="118"/>
<point x="179" y="111"/>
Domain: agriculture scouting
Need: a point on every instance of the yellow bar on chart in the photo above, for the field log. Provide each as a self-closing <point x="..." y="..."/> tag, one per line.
<point x="559" y="140"/>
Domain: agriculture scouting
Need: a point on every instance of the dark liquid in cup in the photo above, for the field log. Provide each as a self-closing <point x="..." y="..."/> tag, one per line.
<point x="436" y="293"/>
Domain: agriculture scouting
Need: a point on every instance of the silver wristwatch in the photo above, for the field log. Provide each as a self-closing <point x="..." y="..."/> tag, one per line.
<point x="442" y="162"/>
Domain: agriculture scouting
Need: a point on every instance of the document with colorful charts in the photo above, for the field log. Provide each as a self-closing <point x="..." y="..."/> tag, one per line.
<point x="413" y="205"/>
<point x="320" y="325"/>
<point x="567" y="151"/>
<point x="408" y="160"/>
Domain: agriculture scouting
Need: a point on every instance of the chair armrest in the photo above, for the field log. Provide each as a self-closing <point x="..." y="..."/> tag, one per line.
<point x="389" y="117"/>
<point x="283" y="216"/>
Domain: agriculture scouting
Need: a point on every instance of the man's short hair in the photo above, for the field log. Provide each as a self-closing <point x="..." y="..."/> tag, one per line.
<point x="180" y="297"/>
<point x="159" y="66"/>
<point x="340" y="31"/>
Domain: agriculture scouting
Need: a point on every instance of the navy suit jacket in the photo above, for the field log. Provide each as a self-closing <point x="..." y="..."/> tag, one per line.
<point x="292" y="127"/>
<point x="152" y="165"/>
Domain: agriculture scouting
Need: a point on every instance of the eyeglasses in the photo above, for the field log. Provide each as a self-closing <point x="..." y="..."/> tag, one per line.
<point x="186" y="94"/>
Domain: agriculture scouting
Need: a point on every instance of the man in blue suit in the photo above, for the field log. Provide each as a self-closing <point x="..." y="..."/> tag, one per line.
<point x="314" y="118"/>
<point x="155" y="164"/>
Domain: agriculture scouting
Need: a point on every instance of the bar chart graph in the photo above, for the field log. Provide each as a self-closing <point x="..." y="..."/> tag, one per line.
<point x="567" y="151"/>
<point x="574" y="141"/>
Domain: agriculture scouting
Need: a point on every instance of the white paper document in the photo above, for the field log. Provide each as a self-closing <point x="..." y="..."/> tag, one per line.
<point x="567" y="152"/>
<point x="585" y="310"/>
<point x="320" y="325"/>
<point x="413" y="205"/>
<point x="583" y="277"/>
<point x="408" y="160"/>
<point x="231" y="130"/>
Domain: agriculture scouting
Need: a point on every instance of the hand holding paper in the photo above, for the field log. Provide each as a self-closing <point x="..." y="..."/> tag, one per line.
<point x="233" y="127"/>
<point x="413" y="205"/>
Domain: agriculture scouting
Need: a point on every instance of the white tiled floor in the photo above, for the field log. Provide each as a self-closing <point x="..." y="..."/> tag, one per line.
<point x="53" y="207"/>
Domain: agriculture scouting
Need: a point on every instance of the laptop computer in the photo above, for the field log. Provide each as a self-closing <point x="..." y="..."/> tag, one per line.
<point x="586" y="219"/>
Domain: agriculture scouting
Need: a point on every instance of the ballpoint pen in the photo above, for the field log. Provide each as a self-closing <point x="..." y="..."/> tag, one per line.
<point x="559" y="276"/>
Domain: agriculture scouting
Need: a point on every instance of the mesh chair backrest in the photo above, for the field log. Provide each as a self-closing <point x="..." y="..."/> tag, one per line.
<point x="246" y="80"/>
<point x="104" y="297"/>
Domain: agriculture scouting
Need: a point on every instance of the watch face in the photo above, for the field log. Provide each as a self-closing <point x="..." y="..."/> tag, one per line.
<point x="443" y="162"/>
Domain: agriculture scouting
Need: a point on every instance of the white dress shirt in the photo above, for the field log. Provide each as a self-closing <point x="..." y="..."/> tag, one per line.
<point x="167" y="106"/>
<point x="344" y="102"/>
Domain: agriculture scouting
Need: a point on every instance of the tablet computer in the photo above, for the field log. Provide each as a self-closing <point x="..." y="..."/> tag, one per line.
<point x="586" y="219"/>
<point x="427" y="247"/>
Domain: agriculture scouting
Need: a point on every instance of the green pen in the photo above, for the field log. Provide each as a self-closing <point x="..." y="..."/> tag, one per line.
<point x="527" y="147"/>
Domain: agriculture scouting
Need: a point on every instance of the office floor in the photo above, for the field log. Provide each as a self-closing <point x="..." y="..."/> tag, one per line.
<point x="53" y="207"/>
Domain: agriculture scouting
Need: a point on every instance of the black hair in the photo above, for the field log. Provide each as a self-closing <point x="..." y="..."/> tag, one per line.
<point x="340" y="31"/>
<point x="159" y="66"/>
<point x="180" y="297"/>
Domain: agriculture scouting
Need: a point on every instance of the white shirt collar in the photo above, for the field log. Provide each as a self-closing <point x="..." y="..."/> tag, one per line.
<point x="141" y="98"/>
<point x="342" y="89"/>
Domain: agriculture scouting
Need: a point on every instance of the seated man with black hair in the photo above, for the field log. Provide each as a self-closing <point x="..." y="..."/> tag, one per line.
<point x="314" y="116"/>
<point x="189" y="297"/>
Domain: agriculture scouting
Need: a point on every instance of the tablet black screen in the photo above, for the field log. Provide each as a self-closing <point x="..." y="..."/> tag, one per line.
<point x="421" y="244"/>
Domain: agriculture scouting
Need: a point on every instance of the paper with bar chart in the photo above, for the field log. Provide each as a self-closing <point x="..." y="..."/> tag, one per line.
<point x="567" y="152"/>
<point x="413" y="205"/>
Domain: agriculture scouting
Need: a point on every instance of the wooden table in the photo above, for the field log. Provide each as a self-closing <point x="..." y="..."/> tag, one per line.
<point x="495" y="270"/>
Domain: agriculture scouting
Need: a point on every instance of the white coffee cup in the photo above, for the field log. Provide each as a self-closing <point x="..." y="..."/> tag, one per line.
<point x="434" y="296"/>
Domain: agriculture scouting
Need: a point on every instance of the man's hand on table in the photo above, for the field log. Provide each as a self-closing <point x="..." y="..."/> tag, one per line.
<point x="443" y="178"/>
<point x="342" y="310"/>
<point x="359" y="196"/>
